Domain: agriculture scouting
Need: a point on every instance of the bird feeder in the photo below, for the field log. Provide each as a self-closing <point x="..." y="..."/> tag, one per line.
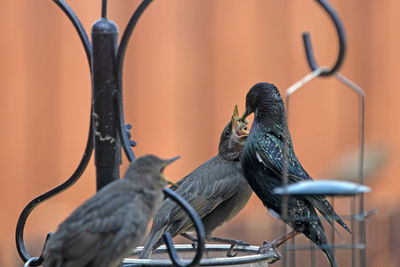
<point x="355" y="192"/>
<point x="105" y="58"/>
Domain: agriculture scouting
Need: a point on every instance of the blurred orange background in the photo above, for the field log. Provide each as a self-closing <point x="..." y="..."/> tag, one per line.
<point x="188" y="63"/>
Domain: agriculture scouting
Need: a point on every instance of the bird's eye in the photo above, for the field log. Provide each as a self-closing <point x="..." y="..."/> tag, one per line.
<point x="227" y="133"/>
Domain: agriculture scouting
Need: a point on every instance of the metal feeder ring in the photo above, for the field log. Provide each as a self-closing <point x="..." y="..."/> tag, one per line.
<point x="249" y="255"/>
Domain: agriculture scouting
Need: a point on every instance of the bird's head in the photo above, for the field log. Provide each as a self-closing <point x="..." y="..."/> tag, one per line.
<point x="149" y="170"/>
<point x="233" y="137"/>
<point x="264" y="98"/>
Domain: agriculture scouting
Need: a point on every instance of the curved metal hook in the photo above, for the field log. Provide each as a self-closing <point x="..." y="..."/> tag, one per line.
<point x="36" y="261"/>
<point x="199" y="229"/>
<point x="176" y="198"/>
<point x="128" y="32"/>
<point x="19" y="233"/>
<point x="126" y="142"/>
<point x="79" y="28"/>
<point x="31" y="260"/>
<point x="342" y="41"/>
<point x="127" y="147"/>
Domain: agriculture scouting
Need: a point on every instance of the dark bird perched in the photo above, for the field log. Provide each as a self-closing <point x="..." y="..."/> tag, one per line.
<point x="262" y="164"/>
<point x="217" y="190"/>
<point x="109" y="225"/>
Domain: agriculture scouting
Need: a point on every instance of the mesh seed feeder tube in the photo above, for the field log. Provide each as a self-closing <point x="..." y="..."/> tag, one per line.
<point x="354" y="192"/>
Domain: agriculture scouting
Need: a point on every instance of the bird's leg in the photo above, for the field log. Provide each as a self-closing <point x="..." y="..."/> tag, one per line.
<point x="228" y="241"/>
<point x="286" y="237"/>
<point x="194" y="241"/>
<point x="232" y="242"/>
<point x="277" y="242"/>
<point x="191" y="238"/>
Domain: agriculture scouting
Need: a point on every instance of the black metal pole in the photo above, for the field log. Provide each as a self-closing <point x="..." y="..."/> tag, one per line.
<point x="105" y="87"/>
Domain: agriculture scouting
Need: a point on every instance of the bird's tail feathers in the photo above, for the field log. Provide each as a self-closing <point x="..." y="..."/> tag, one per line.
<point x="341" y="222"/>
<point x="332" y="223"/>
<point x="328" y="250"/>
<point x="152" y="240"/>
<point x="318" y="237"/>
<point x="333" y="216"/>
<point x="327" y="211"/>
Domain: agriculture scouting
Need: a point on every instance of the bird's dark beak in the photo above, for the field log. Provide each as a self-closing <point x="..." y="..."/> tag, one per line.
<point x="239" y="127"/>
<point x="169" y="161"/>
<point x="246" y="113"/>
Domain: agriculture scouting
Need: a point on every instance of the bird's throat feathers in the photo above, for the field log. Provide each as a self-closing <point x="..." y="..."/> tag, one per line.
<point x="271" y="116"/>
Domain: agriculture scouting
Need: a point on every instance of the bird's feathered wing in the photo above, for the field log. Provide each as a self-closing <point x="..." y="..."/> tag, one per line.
<point x="204" y="189"/>
<point x="273" y="160"/>
<point x="268" y="152"/>
<point x="95" y="226"/>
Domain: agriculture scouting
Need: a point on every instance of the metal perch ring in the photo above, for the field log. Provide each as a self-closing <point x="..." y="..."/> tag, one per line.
<point x="270" y="256"/>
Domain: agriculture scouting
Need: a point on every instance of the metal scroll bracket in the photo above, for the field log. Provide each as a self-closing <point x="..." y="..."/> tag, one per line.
<point x="107" y="131"/>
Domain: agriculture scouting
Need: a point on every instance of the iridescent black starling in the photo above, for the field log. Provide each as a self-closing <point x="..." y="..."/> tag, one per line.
<point x="109" y="225"/>
<point x="262" y="164"/>
<point x="217" y="190"/>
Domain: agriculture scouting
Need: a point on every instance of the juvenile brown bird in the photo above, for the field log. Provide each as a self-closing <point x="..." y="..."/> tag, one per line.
<point x="217" y="190"/>
<point x="109" y="225"/>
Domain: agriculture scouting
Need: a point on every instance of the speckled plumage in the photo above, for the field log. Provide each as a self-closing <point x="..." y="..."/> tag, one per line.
<point x="262" y="164"/>
<point x="217" y="190"/>
<point x="109" y="225"/>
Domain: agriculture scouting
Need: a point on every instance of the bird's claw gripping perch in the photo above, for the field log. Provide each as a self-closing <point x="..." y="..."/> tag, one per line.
<point x="242" y="243"/>
<point x="194" y="244"/>
<point x="266" y="246"/>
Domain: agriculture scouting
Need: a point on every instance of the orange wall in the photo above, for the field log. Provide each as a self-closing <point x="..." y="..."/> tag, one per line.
<point x="188" y="63"/>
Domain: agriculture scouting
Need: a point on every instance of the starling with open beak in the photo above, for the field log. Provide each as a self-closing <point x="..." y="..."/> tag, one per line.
<point x="217" y="190"/>
<point x="109" y="225"/>
<point x="262" y="164"/>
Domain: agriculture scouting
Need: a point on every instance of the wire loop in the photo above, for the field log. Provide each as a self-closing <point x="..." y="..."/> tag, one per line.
<point x="342" y="42"/>
<point x="124" y="137"/>
<point x="198" y="226"/>
<point x="19" y="233"/>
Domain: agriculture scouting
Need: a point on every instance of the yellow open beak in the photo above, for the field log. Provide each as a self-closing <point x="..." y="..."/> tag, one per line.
<point x="239" y="125"/>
